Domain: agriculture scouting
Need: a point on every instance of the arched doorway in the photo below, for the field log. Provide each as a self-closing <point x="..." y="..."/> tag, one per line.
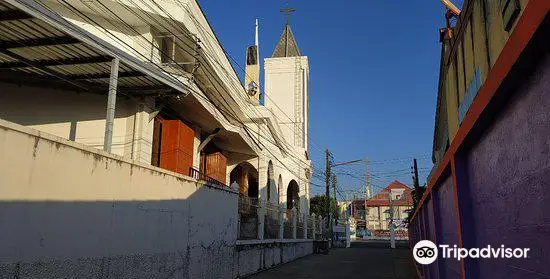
<point x="292" y="195"/>
<point x="246" y="176"/>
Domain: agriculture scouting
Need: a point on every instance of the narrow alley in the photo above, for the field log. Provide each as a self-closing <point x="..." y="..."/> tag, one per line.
<point x="363" y="260"/>
<point x="236" y="139"/>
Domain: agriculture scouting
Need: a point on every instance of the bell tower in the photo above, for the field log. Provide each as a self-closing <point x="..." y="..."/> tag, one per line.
<point x="252" y="71"/>
<point x="286" y="86"/>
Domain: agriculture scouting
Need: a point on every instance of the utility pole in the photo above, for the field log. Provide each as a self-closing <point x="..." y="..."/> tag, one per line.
<point x="367" y="180"/>
<point x="392" y="230"/>
<point x="416" y="196"/>
<point x="327" y="184"/>
<point x="415" y="177"/>
<point x="329" y="165"/>
<point x="367" y="191"/>
<point x="334" y="181"/>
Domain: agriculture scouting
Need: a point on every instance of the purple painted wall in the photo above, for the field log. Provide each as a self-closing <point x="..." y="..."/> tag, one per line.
<point x="503" y="178"/>
<point x="433" y="268"/>
<point x="446" y="227"/>
<point x="506" y="197"/>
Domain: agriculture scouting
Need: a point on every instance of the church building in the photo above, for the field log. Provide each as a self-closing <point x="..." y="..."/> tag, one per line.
<point x="284" y="97"/>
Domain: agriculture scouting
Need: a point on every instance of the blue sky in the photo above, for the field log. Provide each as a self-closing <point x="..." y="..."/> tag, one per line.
<point x="373" y="76"/>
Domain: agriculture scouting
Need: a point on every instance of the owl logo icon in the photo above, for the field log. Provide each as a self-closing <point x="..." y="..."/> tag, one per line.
<point x="425" y="252"/>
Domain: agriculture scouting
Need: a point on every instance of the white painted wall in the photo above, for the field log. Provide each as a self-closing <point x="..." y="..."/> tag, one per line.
<point x="189" y="15"/>
<point x="81" y="117"/>
<point x="286" y="86"/>
<point x="71" y="211"/>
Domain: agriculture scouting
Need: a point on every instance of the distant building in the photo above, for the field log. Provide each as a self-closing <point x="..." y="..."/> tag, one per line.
<point x="377" y="218"/>
<point x="378" y="208"/>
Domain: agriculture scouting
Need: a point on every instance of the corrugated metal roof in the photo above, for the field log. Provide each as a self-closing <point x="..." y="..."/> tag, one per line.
<point x="35" y="50"/>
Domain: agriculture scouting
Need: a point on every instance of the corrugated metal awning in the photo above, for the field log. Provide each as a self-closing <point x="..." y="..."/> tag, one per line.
<point x="38" y="47"/>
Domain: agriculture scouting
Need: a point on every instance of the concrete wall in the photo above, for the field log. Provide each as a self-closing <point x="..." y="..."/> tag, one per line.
<point x="501" y="176"/>
<point x="431" y="271"/>
<point x="506" y="187"/>
<point x="71" y="211"/>
<point x="252" y="258"/>
<point x="81" y="118"/>
<point x="446" y="226"/>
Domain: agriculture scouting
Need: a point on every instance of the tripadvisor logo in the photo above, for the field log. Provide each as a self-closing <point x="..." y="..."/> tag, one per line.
<point x="426" y="252"/>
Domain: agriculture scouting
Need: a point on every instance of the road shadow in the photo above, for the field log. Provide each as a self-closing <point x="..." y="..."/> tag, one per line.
<point x="364" y="259"/>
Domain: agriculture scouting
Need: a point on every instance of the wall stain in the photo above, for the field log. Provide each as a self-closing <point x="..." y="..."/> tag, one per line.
<point x="97" y="157"/>
<point x="35" y="147"/>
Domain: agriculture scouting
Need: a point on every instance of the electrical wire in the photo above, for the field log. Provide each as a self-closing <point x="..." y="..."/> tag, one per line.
<point x="243" y="125"/>
<point x="242" y="69"/>
<point x="232" y="113"/>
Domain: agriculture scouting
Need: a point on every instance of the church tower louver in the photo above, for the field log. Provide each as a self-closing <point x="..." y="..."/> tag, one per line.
<point x="252" y="70"/>
<point x="286" y="87"/>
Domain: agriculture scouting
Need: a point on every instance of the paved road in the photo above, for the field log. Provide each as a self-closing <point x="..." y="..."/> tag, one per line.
<point x="363" y="260"/>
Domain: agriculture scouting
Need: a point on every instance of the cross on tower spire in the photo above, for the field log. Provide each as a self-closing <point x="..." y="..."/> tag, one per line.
<point x="287" y="11"/>
<point x="286" y="47"/>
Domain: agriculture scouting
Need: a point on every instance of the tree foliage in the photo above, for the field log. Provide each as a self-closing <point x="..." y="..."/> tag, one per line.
<point x="318" y="205"/>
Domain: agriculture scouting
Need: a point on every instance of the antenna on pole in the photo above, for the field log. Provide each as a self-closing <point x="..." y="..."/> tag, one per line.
<point x="256" y="34"/>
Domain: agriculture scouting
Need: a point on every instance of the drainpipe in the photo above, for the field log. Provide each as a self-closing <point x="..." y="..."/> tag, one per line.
<point x="111" y="103"/>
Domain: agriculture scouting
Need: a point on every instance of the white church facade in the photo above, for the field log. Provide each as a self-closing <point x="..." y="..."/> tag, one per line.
<point x="126" y="136"/>
<point x="197" y="96"/>
<point x="285" y="117"/>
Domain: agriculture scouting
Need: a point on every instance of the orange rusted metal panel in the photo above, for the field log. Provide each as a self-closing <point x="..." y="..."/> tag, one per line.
<point x="216" y="166"/>
<point x="176" y="146"/>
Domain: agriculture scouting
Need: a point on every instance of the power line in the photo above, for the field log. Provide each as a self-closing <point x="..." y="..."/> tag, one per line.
<point x="231" y="113"/>
<point x="215" y="60"/>
<point x="259" y="86"/>
<point x="243" y="125"/>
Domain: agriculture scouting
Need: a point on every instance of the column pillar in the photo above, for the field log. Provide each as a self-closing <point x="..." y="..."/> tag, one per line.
<point x="111" y="104"/>
<point x="314" y="229"/>
<point x="294" y="217"/>
<point x="322" y="226"/>
<point x="305" y="225"/>
<point x="261" y="218"/>
<point x="281" y="222"/>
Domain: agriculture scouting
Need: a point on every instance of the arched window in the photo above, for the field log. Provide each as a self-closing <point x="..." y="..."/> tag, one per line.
<point x="292" y="195"/>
